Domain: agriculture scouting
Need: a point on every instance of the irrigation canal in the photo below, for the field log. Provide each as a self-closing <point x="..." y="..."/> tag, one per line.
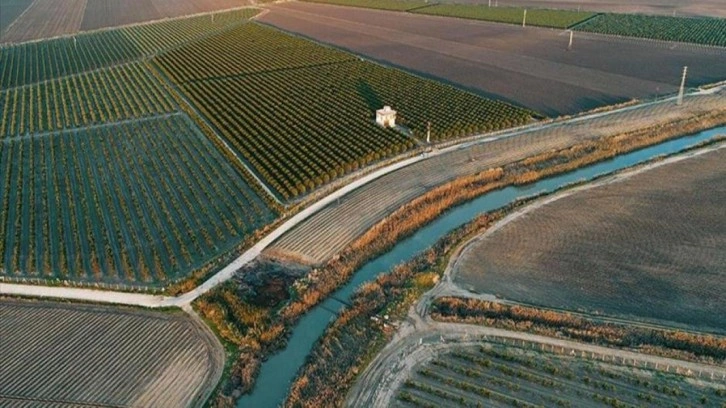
<point x="278" y="372"/>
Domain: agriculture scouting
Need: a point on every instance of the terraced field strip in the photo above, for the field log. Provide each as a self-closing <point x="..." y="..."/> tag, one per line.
<point x="140" y="203"/>
<point x="510" y="376"/>
<point x="62" y="354"/>
<point x="704" y="30"/>
<point x="296" y="83"/>
<point x="331" y="229"/>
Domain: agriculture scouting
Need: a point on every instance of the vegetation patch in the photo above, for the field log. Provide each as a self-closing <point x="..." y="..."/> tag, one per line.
<point x="510" y="15"/>
<point x="266" y="91"/>
<point x="396" y="5"/>
<point x="95" y="98"/>
<point x="706" y="31"/>
<point x="139" y="203"/>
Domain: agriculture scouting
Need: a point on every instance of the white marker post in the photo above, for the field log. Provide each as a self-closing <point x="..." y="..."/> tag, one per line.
<point x="683" y="84"/>
<point x="524" y="18"/>
<point x="490" y="3"/>
<point x="569" y="45"/>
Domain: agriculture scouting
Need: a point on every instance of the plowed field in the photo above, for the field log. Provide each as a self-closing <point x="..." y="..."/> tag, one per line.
<point x="651" y="247"/>
<point x="56" y="354"/>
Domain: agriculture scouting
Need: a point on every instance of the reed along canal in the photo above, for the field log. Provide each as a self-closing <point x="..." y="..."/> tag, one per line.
<point x="278" y="372"/>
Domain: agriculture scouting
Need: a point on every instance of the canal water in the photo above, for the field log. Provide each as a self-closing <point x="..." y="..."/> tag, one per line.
<point x="278" y="372"/>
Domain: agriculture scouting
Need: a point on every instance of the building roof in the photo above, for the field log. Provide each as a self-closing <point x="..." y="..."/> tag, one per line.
<point x="386" y="111"/>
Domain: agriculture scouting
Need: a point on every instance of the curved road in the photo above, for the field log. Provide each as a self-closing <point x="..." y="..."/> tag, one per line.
<point x="153" y="301"/>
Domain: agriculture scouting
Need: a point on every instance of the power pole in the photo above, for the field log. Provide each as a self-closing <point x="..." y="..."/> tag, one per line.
<point x="683" y="84"/>
<point x="524" y="18"/>
<point x="569" y="45"/>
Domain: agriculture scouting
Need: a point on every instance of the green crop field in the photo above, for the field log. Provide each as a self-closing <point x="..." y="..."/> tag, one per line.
<point x="397" y="5"/>
<point x="152" y="38"/>
<point x="511" y="15"/>
<point x="138" y="202"/>
<point x="496" y="375"/>
<point x="38" y="61"/>
<point x="101" y="96"/>
<point x="32" y="62"/>
<point x="706" y="31"/>
<point x="303" y="114"/>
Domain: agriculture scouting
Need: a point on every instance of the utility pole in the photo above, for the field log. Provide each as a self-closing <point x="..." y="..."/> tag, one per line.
<point x="683" y="84"/>
<point x="569" y="45"/>
<point x="428" y="134"/>
<point x="490" y="3"/>
<point x="524" y="18"/>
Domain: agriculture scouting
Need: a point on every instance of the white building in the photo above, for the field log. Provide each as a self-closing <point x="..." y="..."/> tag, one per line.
<point x="386" y="117"/>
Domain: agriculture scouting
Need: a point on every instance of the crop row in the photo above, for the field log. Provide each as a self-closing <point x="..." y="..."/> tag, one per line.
<point x="156" y="37"/>
<point x="108" y="95"/>
<point x="141" y="201"/>
<point x="32" y="62"/>
<point x="247" y="49"/>
<point x="510" y="15"/>
<point x="707" y="31"/>
<point x="526" y="378"/>
<point x="303" y="114"/>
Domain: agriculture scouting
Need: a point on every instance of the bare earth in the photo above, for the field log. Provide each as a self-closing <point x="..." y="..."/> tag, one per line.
<point x="83" y="355"/>
<point x="330" y="230"/>
<point x="650" y="247"/>
<point x="707" y="8"/>
<point x="529" y="67"/>
<point x="10" y="10"/>
<point x="46" y="18"/>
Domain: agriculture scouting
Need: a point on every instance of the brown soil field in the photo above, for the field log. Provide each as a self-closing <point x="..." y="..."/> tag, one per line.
<point x="333" y="228"/>
<point x="111" y="13"/>
<point x="10" y="10"/>
<point x="651" y="247"/>
<point x="46" y="18"/>
<point x="60" y="354"/>
<point x="529" y="67"/>
<point x="708" y="8"/>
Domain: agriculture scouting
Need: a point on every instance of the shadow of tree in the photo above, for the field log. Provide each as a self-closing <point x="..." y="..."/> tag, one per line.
<point x="369" y="95"/>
